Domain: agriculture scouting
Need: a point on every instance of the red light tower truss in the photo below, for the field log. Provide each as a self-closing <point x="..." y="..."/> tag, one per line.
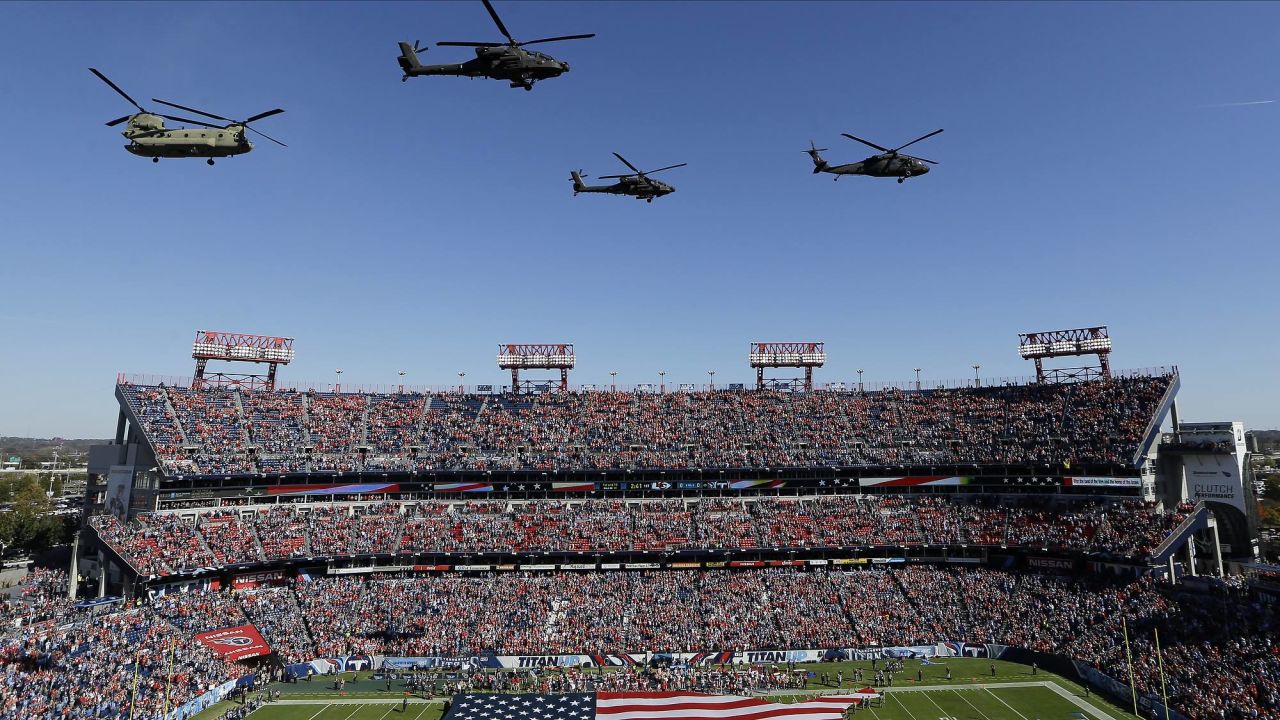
<point x="238" y="347"/>
<point x="544" y="356"/>
<point x="807" y="355"/>
<point x="1068" y="343"/>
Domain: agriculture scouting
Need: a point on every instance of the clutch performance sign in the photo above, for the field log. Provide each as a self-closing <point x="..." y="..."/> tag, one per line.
<point x="235" y="643"/>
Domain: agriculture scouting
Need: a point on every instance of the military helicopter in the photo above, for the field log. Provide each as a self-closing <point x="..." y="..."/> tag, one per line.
<point x="148" y="137"/>
<point x="510" y="61"/>
<point x="637" y="184"/>
<point x="890" y="163"/>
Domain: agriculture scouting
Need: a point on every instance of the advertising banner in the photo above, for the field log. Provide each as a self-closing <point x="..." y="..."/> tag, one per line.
<point x="251" y="580"/>
<point x="471" y="487"/>
<point x="333" y="489"/>
<point x="235" y="643"/>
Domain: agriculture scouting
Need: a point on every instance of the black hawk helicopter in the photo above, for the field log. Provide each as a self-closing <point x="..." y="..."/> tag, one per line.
<point x="890" y="163"/>
<point x="510" y="61"/>
<point x="637" y="184"/>
<point x="148" y="137"/>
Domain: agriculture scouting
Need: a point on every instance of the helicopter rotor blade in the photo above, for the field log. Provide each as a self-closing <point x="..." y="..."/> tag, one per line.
<point x="266" y="136"/>
<point x="624" y="162"/>
<point x="115" y="87"/>
<point x="615" y="177"/>
<point x="913" y="157"/>
<point x="259" y="116"/>
<point x="556" y="39"/>
<point x="191" y="109"/>
<point x="498" y="21"/>
<point x="175" y="118"/>
<point x="913" y="142"/>
<point x="467" y="43"/>
<point x="118" y="120"/>
<point x="669" y="167"/>
<point x="865" y="142"/>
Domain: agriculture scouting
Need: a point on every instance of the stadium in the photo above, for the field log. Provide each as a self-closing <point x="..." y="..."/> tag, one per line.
<point x="995" y="549"/>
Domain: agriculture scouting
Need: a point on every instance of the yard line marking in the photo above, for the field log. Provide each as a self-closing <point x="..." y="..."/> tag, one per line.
<point x="904" y="707"/>
<point x="1002" y="702"/>
<point x="313" y="717"/>
<point x="1082" y="704"/>
<point x="966" y="702"/>
<point x="353" y="712"/>
<point x="388" y="712"/>
<point x="944" y="715"/>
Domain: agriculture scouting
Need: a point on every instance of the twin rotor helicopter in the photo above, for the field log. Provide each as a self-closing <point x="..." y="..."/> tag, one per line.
<point x="507" y="61"/>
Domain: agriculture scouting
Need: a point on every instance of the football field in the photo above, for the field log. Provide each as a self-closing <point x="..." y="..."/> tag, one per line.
<point x="1013" y="693"/>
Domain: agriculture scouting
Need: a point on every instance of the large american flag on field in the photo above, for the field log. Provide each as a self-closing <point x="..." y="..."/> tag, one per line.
<point x="645" y="706"/>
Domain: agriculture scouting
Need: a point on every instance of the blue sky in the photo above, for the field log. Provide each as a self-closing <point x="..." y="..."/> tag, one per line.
<point x="1089" y="174"/>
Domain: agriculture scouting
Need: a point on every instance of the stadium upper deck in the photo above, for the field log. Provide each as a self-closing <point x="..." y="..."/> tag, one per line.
<point x="222" y="431"/>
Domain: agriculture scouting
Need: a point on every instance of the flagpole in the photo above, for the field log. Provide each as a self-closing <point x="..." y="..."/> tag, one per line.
<point x="133" y="697"/>
<point x="1133" y="688"/>
<point x="167" y="680"/>
<point x="1164" y="692"/>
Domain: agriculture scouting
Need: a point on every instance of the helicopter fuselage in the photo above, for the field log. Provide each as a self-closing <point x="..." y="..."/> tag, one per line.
<point x="899" y="166"/>
<point x="148" y="137"/>
<point x="520" y="67"/>
<point x="637" y="187"/>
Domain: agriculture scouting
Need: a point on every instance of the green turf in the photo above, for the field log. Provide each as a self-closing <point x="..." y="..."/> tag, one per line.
<point x="958" y="699"/>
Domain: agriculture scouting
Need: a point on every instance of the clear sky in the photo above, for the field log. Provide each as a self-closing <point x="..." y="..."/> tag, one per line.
<point x="1094" y="170"/>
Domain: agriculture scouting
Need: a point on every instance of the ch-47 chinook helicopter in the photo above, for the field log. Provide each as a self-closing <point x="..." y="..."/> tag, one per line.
<point x="890" y="163"/>
<point x="637" y="184"/>
<point x="509" y="61"/>
<point x="148" y="137"/>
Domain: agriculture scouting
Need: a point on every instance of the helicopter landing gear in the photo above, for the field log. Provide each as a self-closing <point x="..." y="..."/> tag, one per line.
<point x="155" y="160"/>
<point x="648" y="200"/>
<point x="900" y="180"/>
<point x="210" y="161"/>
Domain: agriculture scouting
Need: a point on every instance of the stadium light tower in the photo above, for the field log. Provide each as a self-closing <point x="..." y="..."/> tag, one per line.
<point x="239" y="347"/>
<point x="662" y="382"/>
<point x="540" y="356"/>
<point x="807" y="355"/>
<point x="1068" y="343"/>
<point x="917" y="379"/>
<point x="712" y="385"/>
<point x="401" y="374"/>
<point x="859" y="380"/>
<point x="977" y="382"/>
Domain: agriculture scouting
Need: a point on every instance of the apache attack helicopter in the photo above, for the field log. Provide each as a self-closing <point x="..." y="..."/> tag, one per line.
<point x="510" y="61"/>
<point x="638" y="184"/>
<point x="148" y="137"/>
<point x="890" y="163"/>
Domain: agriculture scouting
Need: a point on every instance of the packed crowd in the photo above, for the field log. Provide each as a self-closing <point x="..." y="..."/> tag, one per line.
<point x="162" y="543"/>
<point x="1221" y="651"/>
<point x="238" y="431"/>
<point x="72" y="664"/>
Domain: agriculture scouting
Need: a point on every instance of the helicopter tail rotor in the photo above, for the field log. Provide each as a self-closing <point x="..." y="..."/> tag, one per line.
<point x="818" y="163"/>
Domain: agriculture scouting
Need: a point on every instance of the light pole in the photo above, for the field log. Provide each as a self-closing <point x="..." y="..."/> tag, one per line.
<point x="337" y="380"/>
<point x="859" y="381"/>
<point x="662" y="382"/>
<point x="614" y="386"/>
<point x="712" y="373"/>
<point x="401" y="374"/>
<point x="917" y="379"/>
<point x="461" y="387"/>
<point x="977" y="382"/>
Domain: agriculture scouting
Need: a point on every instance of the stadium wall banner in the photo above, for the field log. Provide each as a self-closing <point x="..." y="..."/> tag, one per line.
<point x="749" y="657"/>
<point x="251" y="580"/>
<point x="757" y="484"/>
<point x="471" y="487"/>
<point x="1122" y="482"/>
<point x="333" y="489"/>
<point x="916" y="480"/>
<point x="577" y="566"/>
<point x="1214" y="478"/>
<point x="182" y="586"/>
<point x="195" y="705"/>
<point x="573" y="487"/>
<point x="1051" y="563"/>
<point x="473" y="568"/>
<point x="235" y="643"/>
<point x="119" y="491"/>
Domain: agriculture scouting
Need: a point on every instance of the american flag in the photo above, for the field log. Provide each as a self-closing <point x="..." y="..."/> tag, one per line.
<point x="643" y="706"/>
